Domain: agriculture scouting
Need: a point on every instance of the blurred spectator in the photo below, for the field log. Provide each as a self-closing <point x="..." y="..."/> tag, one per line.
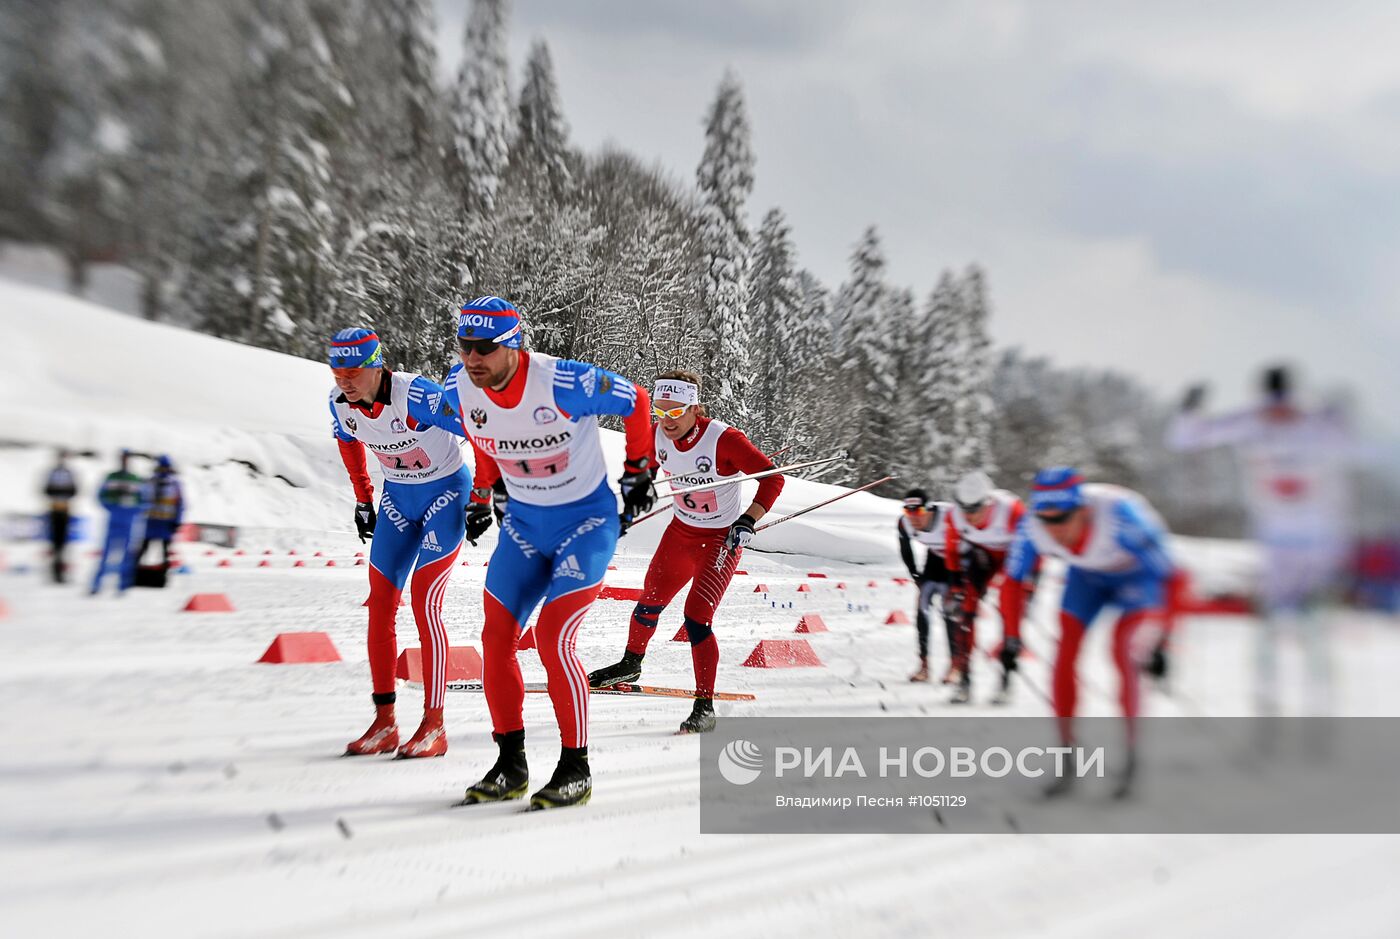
<point x="126" y="497"/>
<point x="167" y="509"/>
<point x="1296" y="464"/>
<point x="60" y="489"/>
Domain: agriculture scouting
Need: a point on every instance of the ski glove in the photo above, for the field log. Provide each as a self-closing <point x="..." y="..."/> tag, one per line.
<point x="1010" y="651"/>
<point x="1156" y="664"/>
<point x="740" y="533"/>
<point x="638" y="494"/>
<point x="1195" y="396"/>
<point x="364" y="520"/>
<point x="478" y="520"/>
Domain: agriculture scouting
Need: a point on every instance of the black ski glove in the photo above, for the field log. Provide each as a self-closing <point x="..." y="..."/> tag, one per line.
<point x="1010" y="652"/>
<point x="740" y="533"/>
<point x="638" y="494"/>
<point x="1156" y="664"/>
<point x="478" y="520"/>
<point x="364" y="520"/>
<point x="1195" y="397"/>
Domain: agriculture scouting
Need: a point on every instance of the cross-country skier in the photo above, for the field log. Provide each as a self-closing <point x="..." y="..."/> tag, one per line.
<point x="533" y="420"/>
<point x="924" y="521"/>
<point x="406" y="422"/>
<point x="704" y="540"/>
<point x="125" y="496"/>
<point x="1113" y="543"/>
<point x="1295" y="465"/>
<point x="167" y="509"/>
<point x="980" y="527"/>
<point x="60" y="488"/>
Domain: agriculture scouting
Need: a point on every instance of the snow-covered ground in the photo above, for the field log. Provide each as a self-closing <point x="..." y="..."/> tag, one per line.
<point x="156" y="781"/>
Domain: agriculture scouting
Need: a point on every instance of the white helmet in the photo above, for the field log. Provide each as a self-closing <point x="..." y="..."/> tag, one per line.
<point x="973" y="490"/>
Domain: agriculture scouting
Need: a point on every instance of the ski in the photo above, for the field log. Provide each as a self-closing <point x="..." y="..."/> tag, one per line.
<point x="647" y="690"/>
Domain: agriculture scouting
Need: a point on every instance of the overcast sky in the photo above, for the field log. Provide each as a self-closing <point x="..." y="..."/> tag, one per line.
<point x="1181" y="190"/>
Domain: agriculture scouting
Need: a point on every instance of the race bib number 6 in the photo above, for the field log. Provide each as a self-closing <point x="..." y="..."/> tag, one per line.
<point x="701" y="501"/>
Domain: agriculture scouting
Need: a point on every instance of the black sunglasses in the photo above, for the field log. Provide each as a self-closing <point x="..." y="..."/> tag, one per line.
<point x="482" y="347"/>
<point x="1057" y="519"/>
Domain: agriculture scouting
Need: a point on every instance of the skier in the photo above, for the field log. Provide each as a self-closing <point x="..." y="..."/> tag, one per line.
<point x="406" y="422"/>
<point x="704" y="540"/>
<point x="533" y="420"/>
<point x="923" y="521"/>
<point x="167" y="509"/>
<point x="980" y="527"/>
<point x="125" y="496"/>
<point x="1296" y="465"/>
<point x="60" y="489"/>
<point x="1113" y="543"/>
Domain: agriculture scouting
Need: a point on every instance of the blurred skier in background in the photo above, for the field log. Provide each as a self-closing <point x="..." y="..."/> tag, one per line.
<point x="1113" y="543"/>
<point x="979" y="529"/>
<point x="1295" y="465"/>
<point x="407" y="423"/>
<point x="925" y="521"/>
<point x="60" y="488"/>
<point x="126" y="497"/>
<point x="166" y="511"/>
<point x="704" y="539"/>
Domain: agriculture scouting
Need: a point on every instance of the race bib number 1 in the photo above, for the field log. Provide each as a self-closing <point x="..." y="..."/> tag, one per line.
<point x="415" y="459"/>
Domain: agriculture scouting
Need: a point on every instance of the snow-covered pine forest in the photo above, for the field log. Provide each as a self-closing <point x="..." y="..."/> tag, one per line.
<point x="274" y="170"/>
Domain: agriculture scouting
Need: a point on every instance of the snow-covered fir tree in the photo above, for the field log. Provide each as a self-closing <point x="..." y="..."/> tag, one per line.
<point x="541" y="149"/>
<point x="481" y="107"/>
<point x="865" y="360"/>
<point x="268" y="272"/>
<point x="905" y="431"/>
<point x="775" y="315"/>
<point x="937" y="387"/>
<point x="725" y="178"/>
<point x="811" y="401"/>
<point x="971" y="418"/>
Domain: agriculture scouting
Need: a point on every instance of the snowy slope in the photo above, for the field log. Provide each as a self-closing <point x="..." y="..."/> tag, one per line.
<point x="157" y="782"/>
<point x="94" y="379"/>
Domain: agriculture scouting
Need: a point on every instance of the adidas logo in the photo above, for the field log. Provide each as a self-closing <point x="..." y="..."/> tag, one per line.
<point x="570" y="568"/>
<point x="431" y="543"/>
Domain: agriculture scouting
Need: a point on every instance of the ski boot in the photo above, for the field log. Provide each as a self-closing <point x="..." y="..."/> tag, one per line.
<point x="509" y="778"/>
<point x="962" y="694"/>
<point x="430" y="739"/>
<point x="571" y="783"/>
<point x="701" y="719"/>
<point x="382" y="736"/>
<point x="1060" y="786"/>
<point x="621" y="673"/>
<point x="922" y="674"/>
<point x="1003" y="694"/>
<point x="950" y="677"/>
<point x="1123" y="787"/>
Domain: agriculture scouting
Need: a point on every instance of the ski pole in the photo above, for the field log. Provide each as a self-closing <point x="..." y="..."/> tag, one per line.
<point x="788" y="518"/>
<point x="731" y="480"/>
<point x="667" y="506"/>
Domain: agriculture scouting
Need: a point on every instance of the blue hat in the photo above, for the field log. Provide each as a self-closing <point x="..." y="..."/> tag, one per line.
<point x="163" y="461"/>
<point x="1057" y="489"/>
<point x="490" y="318"/>
<point x="355" y="348"/>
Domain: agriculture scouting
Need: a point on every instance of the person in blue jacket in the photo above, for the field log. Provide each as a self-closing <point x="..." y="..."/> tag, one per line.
<point x="126" y="497"/>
